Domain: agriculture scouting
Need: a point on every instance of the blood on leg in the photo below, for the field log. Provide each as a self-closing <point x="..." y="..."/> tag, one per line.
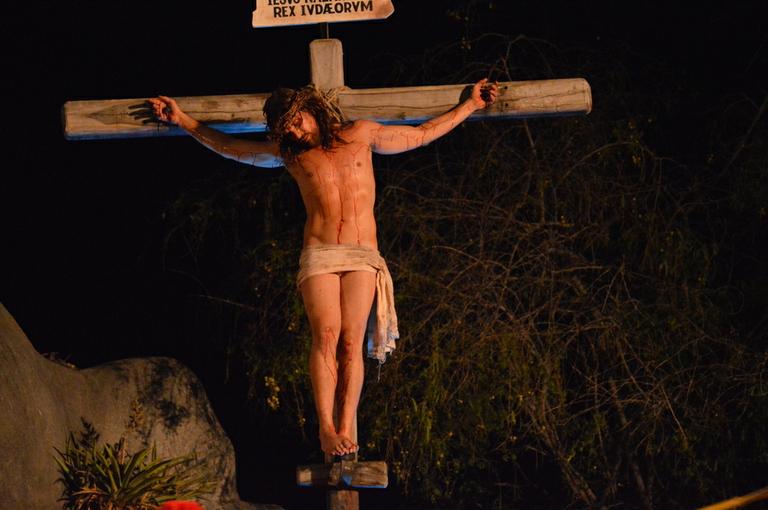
<point x="322" y="301"/>
<point x="357" y="292"/>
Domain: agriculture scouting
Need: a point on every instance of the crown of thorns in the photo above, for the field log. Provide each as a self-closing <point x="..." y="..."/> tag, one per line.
<point x="327" y="101"/>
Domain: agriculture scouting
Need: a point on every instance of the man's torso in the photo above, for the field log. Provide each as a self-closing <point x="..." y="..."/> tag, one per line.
<point x="338" y="190"/>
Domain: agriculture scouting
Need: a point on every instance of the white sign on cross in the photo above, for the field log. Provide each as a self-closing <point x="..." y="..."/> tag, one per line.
<point x="272" y="13"/>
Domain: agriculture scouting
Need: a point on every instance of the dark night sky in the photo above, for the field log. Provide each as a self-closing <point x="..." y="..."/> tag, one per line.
<point x="81" y="266"/>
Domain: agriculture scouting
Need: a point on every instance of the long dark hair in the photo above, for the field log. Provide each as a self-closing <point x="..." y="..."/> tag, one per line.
<point x="282" y="106"/>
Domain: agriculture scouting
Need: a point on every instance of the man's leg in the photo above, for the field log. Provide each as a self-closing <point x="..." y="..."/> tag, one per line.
<point x="322" y="301"/>
<point x="357" y="292"/>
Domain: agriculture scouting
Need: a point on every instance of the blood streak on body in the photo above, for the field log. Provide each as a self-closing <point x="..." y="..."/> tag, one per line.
<point x="328" y="338"/>
<point x="355" y="172"/>
<point x="335" y="171"/>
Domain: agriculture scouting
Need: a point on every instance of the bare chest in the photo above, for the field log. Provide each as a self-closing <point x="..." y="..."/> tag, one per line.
<point x="343" y="166"/>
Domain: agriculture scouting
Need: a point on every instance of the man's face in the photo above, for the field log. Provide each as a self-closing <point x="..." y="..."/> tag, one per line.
<point x="304" y="130"/>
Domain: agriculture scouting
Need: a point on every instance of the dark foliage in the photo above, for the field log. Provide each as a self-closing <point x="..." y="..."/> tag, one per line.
<point x="582" y="310"/>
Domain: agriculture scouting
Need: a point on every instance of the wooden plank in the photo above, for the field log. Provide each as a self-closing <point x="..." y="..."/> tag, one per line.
<point x="522" y="99"/>
<point x="326" y="63"/>
<point x="342" y="500"/>
<point x="346" y="473"/>
<point x="275" y="13"/>
<point x="131" y="118"/>
<point x="125" y="118"/>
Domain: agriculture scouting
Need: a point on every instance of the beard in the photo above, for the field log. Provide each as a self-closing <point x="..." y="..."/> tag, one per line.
<point x="300" y="145"/>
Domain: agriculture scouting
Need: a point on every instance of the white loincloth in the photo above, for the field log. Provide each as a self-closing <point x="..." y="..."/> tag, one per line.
<point x="340" y="258"/>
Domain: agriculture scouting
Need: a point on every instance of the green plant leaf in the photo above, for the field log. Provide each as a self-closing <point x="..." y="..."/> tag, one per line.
<point x="95" y="479"/>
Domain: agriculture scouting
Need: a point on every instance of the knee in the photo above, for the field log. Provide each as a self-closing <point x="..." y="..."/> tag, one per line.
<point x="351" y="342"/>
<point x="326" y="338"/>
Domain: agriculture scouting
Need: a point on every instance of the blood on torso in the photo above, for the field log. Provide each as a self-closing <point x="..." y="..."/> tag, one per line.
<point x="338" y="190"/>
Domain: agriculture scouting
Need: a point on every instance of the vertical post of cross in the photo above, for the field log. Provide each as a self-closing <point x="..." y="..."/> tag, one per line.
<point x="343" y="499"/>
<point x="326" y="63"/>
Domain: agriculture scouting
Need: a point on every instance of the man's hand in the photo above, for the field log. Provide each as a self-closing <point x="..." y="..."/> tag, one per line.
<point x="484" y="93"/>
<point x="166" y="110"/>
<point x="251" y="152"/>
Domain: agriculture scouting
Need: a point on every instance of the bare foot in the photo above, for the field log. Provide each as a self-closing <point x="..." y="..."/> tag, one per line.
<point x="333" y="443"/>
<point x="330" y="442"/>
<point x="347" y="444"/>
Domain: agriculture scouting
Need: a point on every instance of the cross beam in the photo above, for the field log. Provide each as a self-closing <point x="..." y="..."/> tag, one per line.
<point x="242" y="113"/>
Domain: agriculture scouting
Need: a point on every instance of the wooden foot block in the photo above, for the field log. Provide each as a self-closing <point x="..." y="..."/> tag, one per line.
<point x="344" y="474"/>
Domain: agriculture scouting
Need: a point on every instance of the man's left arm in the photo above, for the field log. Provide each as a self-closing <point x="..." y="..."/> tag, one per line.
<point x="396" y="139"/>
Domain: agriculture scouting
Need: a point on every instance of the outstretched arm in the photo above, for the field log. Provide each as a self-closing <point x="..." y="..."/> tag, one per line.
<point x="396" y="139"/>
<point x="251" y="152"/>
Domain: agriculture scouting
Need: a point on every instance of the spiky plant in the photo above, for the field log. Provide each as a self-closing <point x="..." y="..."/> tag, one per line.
<point x="111" y="478"/>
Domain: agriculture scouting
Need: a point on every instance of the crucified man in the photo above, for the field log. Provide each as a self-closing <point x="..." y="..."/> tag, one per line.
<point x="342" y="277"/>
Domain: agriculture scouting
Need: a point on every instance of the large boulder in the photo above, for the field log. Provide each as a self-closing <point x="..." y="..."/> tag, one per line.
<point x="154" y="401"/>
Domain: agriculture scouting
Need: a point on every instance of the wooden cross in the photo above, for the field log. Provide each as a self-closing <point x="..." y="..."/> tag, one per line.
<point x="129" y="118"/>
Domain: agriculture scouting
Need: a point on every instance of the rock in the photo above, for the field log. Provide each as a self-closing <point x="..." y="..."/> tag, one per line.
<point x="158" y="401"/>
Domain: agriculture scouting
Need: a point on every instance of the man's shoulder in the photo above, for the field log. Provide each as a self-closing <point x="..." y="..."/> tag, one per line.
<point x="365" y="124"/>
<point x="359" y="130"/>
<point x="361" y="126"/>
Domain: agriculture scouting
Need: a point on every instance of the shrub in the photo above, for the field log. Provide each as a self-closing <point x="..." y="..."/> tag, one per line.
<point x="111" y="478"/>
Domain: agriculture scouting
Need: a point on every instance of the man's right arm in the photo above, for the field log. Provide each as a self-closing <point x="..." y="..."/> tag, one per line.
<point x="251" y="152"/>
